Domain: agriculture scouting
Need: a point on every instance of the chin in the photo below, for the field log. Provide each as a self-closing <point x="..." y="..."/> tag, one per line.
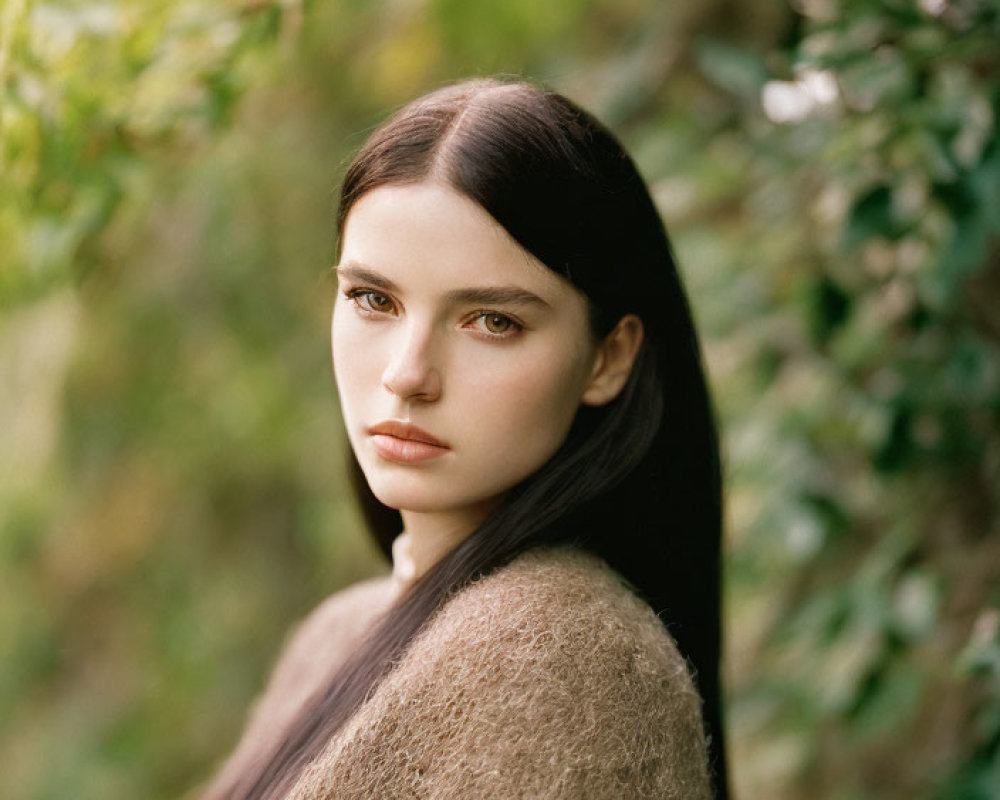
<point x="404" y="496"/>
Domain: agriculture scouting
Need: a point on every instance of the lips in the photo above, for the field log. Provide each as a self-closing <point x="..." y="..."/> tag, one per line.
<point x="404" y="443"/>
<point x="405" y="430"/>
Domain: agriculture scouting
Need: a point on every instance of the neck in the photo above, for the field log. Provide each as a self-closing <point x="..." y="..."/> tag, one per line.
<point x="428" y="537"/>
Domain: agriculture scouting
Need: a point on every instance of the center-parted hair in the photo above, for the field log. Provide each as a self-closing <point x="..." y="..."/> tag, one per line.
<point x="637" y="481"/>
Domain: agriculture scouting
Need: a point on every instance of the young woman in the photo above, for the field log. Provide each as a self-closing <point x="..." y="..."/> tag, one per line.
<point x="534" y="447"/>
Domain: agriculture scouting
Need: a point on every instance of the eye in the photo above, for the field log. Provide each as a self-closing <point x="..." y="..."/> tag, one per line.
<point x="495" y="324"/>
<point x="370" y="300"/>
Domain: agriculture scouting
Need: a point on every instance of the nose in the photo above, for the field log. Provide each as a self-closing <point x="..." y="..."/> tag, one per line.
<point x="411" y="373"/>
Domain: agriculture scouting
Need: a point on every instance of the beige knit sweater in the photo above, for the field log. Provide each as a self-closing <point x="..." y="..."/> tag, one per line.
<point x="545" y="679"/>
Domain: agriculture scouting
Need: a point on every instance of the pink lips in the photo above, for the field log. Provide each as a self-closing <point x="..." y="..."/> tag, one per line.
<point x="404" y="443"/>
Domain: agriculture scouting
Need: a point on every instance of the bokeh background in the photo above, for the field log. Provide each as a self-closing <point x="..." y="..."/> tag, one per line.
<point x="171" y="487"/>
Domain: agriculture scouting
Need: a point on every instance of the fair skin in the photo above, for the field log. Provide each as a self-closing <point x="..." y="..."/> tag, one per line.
<point x="443" y="322"/>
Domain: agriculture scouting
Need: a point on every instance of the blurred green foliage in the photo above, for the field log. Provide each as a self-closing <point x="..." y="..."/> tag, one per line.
<point x="171" y="485"/>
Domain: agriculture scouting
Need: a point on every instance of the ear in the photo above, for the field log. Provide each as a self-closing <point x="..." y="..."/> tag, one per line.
<point x="613" y="363"/>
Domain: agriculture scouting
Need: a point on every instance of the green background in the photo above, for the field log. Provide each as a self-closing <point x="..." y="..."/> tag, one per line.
<point x="171" y="456"/>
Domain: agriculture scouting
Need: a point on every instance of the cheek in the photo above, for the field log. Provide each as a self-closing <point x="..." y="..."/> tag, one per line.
<point x="532" y="402"/>
<point x="350" y="372"/>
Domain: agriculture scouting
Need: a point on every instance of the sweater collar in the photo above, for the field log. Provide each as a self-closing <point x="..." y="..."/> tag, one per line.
<point x="412" y="558"/>
<point x="404" y="569"/>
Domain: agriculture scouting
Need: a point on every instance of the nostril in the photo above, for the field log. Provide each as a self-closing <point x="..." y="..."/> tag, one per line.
<point x="412" y="380"/>
<point x="411" y="371"/>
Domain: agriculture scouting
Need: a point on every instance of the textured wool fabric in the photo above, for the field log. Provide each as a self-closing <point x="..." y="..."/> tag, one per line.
<point x="546" y="679"/>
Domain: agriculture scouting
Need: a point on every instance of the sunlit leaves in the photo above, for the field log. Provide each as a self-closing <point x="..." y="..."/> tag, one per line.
<point x="87" y="90"/>
<point x="893" y="263"/>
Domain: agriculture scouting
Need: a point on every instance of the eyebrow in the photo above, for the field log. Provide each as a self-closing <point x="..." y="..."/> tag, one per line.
<point x="485" y="295"/>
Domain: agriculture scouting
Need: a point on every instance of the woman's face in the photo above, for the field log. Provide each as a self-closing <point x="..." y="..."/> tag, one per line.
<point x="460" y="359"/>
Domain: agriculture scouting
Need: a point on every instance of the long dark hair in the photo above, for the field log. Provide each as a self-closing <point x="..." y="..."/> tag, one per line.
<point x="637" y="481"/>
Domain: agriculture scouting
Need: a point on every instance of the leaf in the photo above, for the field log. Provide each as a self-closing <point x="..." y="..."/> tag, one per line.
<point x="829" y="306"/>
<point x="870" y="217"/>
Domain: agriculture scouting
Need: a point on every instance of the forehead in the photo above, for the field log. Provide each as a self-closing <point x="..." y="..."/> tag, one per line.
<point x="427" y="235"/>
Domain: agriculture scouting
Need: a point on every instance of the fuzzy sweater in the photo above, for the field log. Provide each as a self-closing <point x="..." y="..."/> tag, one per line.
<point x="546" y="679"/>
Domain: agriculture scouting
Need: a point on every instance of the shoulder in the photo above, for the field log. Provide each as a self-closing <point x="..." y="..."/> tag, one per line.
<point x="319" y="643"/>
<point x="352" y="606"/>
<point x="547" y="678"/>
<point x="578" y="633"/>
<point x="558" y="605"/>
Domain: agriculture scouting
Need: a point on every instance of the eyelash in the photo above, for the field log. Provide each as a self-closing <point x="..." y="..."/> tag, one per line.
<point x="356" y="297"/>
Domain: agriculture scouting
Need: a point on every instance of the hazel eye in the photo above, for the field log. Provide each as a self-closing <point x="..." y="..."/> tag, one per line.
<point x="371" y="301"/>
<point x="497" y="323"/>
<point x="376" y="301"/>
